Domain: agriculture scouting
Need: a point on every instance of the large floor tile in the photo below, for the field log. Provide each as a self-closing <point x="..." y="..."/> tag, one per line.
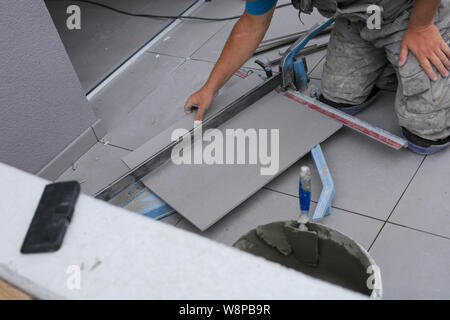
<point x="414" y="265"/>
<point x="162" y="107"/>
<point x="190" y="35"/>
<point x="97" y="168"/>
<point x="121" y="95"/>
<point x="426" y="203"/>
<point x="229" y="184"/>
<point x="267" y="206"/>
<point x="369" y="177"/>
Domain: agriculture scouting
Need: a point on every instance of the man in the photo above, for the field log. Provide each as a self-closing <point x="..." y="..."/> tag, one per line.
<point x="410" y="50"/>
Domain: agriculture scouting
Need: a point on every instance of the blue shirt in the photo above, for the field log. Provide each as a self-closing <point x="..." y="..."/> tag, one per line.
<point x="259" y="7"/>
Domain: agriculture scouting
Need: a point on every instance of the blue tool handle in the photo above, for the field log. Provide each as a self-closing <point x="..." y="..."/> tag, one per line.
<point x="304" y="190"/>
<point x="326" y="196"/>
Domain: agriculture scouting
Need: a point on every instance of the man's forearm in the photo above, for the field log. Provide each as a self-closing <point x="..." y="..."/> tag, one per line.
<point x="247" y="34"/>
<point x="423" y="13"/>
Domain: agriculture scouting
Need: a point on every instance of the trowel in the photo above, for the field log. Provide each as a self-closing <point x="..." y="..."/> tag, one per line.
<point x="304" y="242"/>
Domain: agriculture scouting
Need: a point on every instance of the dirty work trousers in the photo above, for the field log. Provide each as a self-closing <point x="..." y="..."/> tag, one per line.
<point x="359" y="58"/>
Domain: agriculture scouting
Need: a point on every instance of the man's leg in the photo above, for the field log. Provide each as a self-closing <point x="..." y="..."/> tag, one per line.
<point x="423" y="105"/>
<point x="353" y="66"/>
<point x="388" y="79"/>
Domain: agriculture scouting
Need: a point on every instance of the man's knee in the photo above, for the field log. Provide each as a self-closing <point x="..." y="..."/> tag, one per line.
<point x="423" y="105"/>
<point x="352" y="65"/>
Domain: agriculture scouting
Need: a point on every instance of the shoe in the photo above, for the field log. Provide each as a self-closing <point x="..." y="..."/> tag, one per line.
<point x="423" y="146"/>
<point x="349" y="108"/>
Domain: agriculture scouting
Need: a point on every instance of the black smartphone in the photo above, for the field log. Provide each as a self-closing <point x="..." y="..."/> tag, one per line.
<point x="52" y="217"/>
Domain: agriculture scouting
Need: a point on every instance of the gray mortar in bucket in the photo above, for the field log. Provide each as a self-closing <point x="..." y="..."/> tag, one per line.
<point x="342" y="261"/>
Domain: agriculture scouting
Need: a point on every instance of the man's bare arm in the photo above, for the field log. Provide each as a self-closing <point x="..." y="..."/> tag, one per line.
<point x="425" y="41"/>
<point x="245" y="37"/>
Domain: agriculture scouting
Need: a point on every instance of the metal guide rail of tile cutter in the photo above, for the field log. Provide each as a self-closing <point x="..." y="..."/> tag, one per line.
<point x="293" y="75"/>
<point x="295" y="84"/>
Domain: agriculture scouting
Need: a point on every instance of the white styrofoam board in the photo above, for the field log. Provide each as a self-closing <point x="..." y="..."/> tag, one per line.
<point x="127" y="256"/>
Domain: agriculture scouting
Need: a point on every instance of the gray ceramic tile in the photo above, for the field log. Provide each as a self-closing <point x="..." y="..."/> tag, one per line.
<point x="160" y="108"/>
<point x="285" y="21"/>
<point x="164" y="107"/>
<point x="108" y="38"/>
<point x="414" y="265"/>
<point x="268" y="206"/>
<point x="190" y="35"/>
<point x="425" y="204"/>
<point x="97" y="168"/>
<point x="229" y="185"/>
<point x="121" y="95"/>
<point x="369" y="177"/>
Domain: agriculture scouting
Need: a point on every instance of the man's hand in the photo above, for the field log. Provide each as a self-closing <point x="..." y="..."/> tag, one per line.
<point x="425" y="41"/>
<point x="200" y="100"/>
<point x="242" y="42"/>
<point x="430" y="49"/>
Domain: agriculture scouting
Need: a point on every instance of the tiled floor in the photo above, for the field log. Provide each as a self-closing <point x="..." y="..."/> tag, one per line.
<point x="107" y="38"/>
<point x="394" y="203"/>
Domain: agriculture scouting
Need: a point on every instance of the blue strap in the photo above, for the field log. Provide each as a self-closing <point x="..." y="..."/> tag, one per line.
<point x="259" y="7"/>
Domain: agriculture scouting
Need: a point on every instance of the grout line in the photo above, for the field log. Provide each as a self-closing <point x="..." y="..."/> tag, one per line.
<point x="358" y="214"/>
<point x="287" y="194"/>
<point x="419" y="230"/>
<point x="396" y="204"/>
<point x="96" y="137"/>
<point x="116" y="146"/>
<point x="179" y="220"/>
<point x="317" y="64"/>
<point x="203" y="60"/>
<point x="215" y="33"/>
<point x="167" y="55"/>
<point x="334" y="207"/>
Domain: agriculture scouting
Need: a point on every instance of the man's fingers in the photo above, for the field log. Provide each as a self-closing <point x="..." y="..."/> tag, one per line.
<point x="200" y="113"/>
<point x="443" y="57"/>
<point x="403" y="55"/>
<point x="189" y="106"/>
<point x="439" y="65"/>
<point x="446" y="49"/>
<point x="428" y="69"/>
